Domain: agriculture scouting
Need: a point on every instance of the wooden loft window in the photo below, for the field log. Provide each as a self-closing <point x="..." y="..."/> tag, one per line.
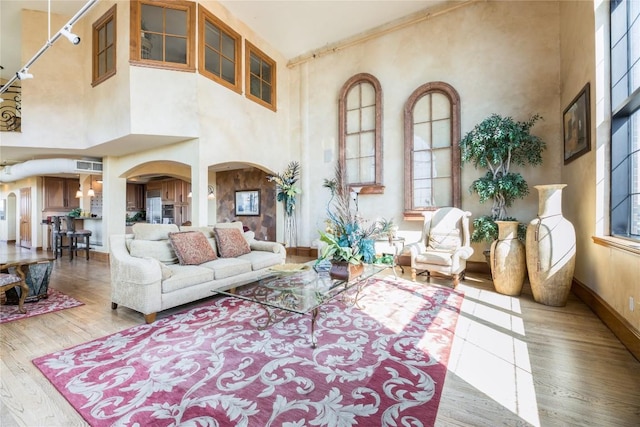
<point x="260" y="76"/>
<point x="431" y="149"/>
<point x="163" y="34"/>
<point x="219" y="50"/>
<point x="360" y="132"/>
<point x="104" y="47"/>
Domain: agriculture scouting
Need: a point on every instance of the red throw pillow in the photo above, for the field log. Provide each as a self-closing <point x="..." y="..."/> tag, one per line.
<point x="192" y="247"/>
<point x="231" y="243"/>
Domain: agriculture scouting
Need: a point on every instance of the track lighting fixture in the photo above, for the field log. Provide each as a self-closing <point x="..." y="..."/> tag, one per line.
<point x="24" y="74"/>
<point x="73" y="38"/>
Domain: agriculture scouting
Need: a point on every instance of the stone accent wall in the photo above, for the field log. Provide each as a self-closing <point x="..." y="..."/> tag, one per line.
<point x="228" y="182"/>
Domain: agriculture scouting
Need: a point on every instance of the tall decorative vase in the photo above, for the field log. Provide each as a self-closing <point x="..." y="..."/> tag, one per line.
<point x="508" y="265"/>
<point x="551" y="249"/>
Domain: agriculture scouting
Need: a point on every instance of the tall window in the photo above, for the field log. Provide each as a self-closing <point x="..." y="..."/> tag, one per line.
<point x="163" y="34"/>
<point x="360" y="132"/>
<point x="260" y="77"/>
<point x="219" y="51"/>
<point x="431" y="153"/>
<point x="104" y="47"/>
<point x="625" y="123"/>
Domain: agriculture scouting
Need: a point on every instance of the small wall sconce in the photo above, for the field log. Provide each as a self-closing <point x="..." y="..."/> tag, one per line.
<point x="210" y="193"/>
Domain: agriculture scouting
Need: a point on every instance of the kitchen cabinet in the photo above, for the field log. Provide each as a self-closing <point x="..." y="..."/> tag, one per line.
<point x="60" y="193"/>
<point x="169" y="191"/>
<point x="182" y="213"/>
<point x="154" y="186"/>
<point x="135" y="197"/>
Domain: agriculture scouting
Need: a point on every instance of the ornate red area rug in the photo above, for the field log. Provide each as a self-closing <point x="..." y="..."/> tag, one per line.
<point x="382" y="364"/>
<point x="55" y="301"/>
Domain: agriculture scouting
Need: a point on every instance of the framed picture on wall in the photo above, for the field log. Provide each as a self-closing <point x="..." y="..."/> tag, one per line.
<point x="576" y="125"/>
<point x="248" y="203"/>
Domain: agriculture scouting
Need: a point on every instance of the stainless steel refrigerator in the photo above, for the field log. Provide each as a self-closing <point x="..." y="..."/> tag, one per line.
<point x="154" y="207"/>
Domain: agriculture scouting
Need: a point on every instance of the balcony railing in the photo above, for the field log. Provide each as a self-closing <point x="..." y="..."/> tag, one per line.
<point x="10" y="109"/>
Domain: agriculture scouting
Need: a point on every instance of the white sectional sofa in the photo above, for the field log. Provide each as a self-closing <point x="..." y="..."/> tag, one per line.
<point x="148" y="274"/>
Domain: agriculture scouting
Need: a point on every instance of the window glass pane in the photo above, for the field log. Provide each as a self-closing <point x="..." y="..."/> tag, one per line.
<point x="352" y="146"/>
<point x="619" y="61"/>
<point x="634" y="55"/>
<point x="109" y="31"/>
<point x="228" y="71"/>
<point x="353" y="98"/>
<point x="176" y="22"/>
<point x="368" y="94"/>
<point x="102" y="63"/>
<point x="155" y="47"/>
<point x="369" y="118"/>
<point x="422" y="164"/>
<point x="152" y="18"/>
<point x="255" y="65"/>
<point x="368" y="144"/>
<point x="102" y="38"/>
<point x="618" y="22"/>
<point x="110" y="57"/>
<point x="441" y="133"/>
<point x="211" y="35"/>
<point x="422" y="110"/>
<point x="619" y="93"/>
<point x="422" y="194"/>
<point x="422" y="136"/>
<point x="442" y="191"/>
<point x="353" y="121"/>
<point x="266" y="72"/>
<point x="212" y="62"/>
<point x="441" y="106"/>
<point x="266" y="92"/>
<point x="228" y="47"/>
<point x="367" y="169"/>
<point x="176" y="50"/>
<point x="254" y="86"/>
<point x="442" y="163"/>
<point x="352" y="171"/>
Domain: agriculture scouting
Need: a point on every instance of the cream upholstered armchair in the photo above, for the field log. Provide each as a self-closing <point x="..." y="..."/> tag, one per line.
<point x="445" y="244"/>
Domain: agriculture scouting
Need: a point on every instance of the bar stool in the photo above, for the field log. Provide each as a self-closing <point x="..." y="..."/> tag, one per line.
<point x="57" y="237"/>
<point x="75" y="239"/>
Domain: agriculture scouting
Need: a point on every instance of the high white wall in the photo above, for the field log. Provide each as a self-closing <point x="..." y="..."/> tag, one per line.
<point x="501" y="57"/>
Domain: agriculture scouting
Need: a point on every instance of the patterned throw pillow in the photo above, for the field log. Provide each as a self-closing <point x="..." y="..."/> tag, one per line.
<point x="192" y="247"/>
<point x="231" y="242"/>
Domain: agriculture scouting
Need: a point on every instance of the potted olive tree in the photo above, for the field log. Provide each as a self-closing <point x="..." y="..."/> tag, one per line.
<point x="495" y="144"/>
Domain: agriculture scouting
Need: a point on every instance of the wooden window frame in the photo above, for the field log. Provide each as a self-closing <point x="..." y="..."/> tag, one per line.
<point x="205" y="16"/>
<point x="109" y="16"/>
<point x="375" y="187"/>
<point x="410" y="212"/>
<point x="250" y="48"/>
<point x="135" y="27"/>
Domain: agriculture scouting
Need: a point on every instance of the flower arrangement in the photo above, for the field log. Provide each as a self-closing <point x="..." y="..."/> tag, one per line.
<point x="287" y="189"/>
<point x="349" y="237"/>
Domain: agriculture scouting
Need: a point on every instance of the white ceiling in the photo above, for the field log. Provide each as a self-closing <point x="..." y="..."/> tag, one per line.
<point x="293" y="27"/>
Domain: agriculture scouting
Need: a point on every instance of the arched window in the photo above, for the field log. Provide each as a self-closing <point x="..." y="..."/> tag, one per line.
<point x="431" y="153"/>
<point x="360" y="132"/>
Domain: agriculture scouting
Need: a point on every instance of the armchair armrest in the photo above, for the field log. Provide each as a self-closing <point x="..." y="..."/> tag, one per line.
<point x="464" y="252"/>
<point x="415" y="249"/>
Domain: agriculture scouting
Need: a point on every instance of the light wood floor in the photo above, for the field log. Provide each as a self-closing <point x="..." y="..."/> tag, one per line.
<point x="513" y="363"/>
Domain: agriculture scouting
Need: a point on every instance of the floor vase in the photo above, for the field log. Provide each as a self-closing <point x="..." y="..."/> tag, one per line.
<point x="508" y="266"/>
<point x="550" y="249"/>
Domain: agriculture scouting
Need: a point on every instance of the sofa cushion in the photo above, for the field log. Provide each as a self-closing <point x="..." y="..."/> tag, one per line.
<point x="145" y="231"/>
<point x="437" y="258"/>
<point x="158" y="249"/>
<point x="207" y="231"/>
<point x="227" y="267"/>
<point x="191" y="247"/>
<point x="185" y="276"/>
<point x="261" y="259"/>
<point x="231" y="243"/>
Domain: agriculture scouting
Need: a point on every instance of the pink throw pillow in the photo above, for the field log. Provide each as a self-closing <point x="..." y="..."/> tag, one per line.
<point x="231" y="242"/>
<point x="192" y="247"/>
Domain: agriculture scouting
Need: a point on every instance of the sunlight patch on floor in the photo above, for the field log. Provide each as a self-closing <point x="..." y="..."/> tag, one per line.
<point x="489" y="354"/>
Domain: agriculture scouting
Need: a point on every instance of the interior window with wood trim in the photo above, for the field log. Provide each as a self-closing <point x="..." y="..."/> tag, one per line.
<point x="163" y="34"/>
<point x="104" y="46"/>
<point x="360" y="132"/>
<point x="260" y="78"/>
<point x="219" y="50"/>
<point x="431" y="149"/>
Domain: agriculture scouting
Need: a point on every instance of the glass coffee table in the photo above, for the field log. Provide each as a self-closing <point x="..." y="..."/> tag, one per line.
<point x="300" y="289"/>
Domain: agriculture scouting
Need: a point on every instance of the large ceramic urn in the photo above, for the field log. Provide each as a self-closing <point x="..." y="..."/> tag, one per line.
<point x="550" y="249"/>
<point x="508" y="267"/>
